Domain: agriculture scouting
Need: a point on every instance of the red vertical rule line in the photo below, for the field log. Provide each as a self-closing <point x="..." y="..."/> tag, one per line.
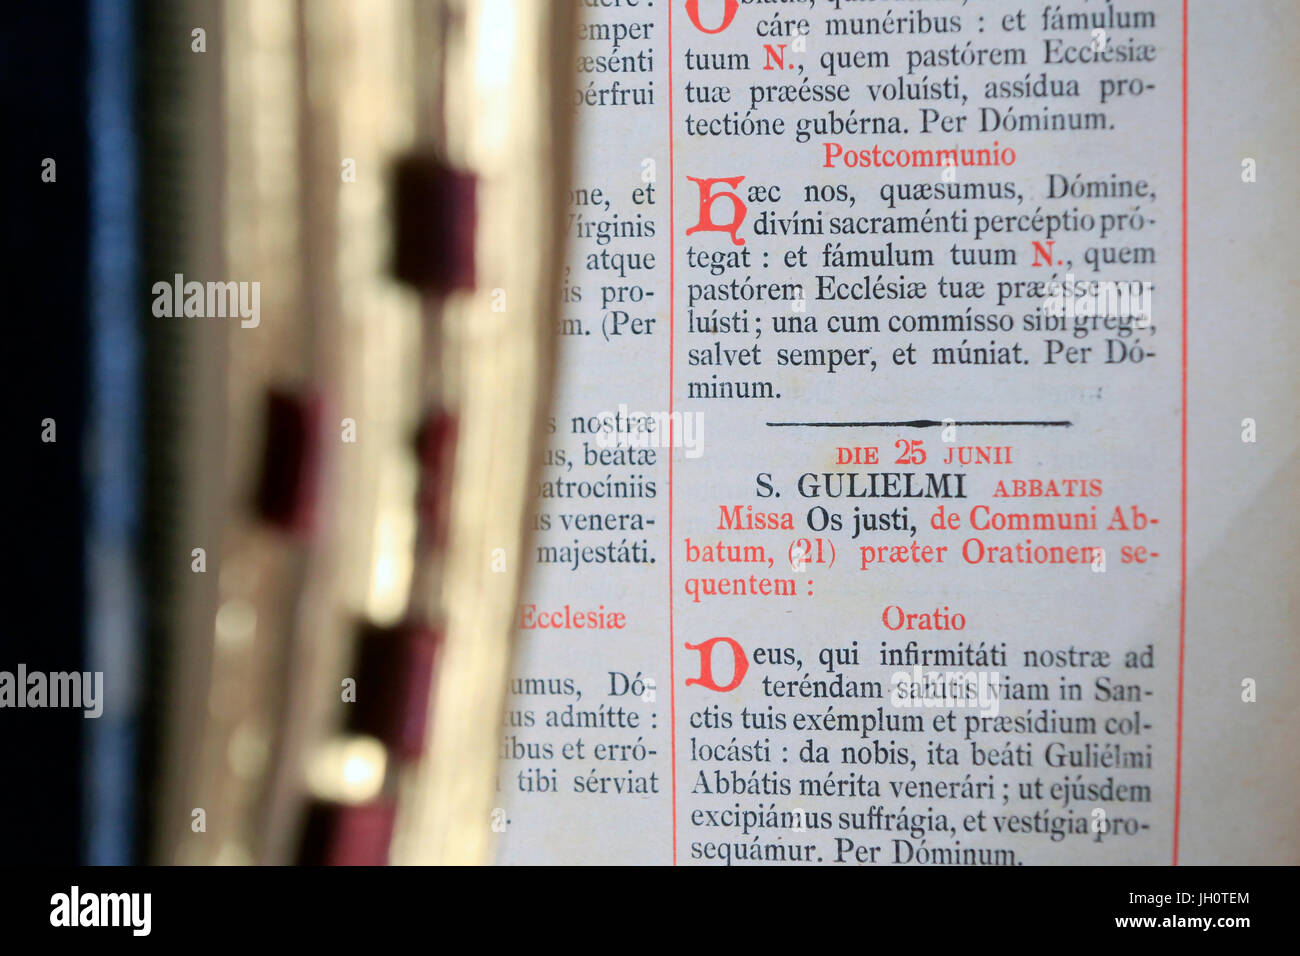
<point x="672" y="382"/>
<point x="1182" y="598"/>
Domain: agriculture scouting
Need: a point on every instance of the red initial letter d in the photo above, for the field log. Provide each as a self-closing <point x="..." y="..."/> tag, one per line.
<point x="740" y="664"/>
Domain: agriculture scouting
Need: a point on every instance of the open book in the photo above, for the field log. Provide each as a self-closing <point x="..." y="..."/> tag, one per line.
<point x="669" y="431"/>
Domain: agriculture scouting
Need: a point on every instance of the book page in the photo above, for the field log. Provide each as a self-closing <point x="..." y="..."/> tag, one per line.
<point x="920" y="487"/>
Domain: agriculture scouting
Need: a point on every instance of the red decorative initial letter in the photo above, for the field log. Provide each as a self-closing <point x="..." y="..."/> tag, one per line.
<point x="706" y="223"/>
<point x="729" y="9"/>
<point x="740" y="664"/>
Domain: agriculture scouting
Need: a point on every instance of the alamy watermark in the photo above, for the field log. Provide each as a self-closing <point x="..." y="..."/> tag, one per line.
<point x="626" y="429"/>
<point x="1128" y="302"/>
<point x="76" y="908"/>
<point x="212" y="300"/>
<point x="947" y="689"/>
<point x="73" y="689"/>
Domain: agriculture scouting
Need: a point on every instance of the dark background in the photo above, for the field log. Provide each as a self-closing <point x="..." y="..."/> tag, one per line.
<point x="43" y="87"/>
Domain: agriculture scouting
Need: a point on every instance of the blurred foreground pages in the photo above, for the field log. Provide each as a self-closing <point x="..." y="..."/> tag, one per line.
<point x="921" y="486"/>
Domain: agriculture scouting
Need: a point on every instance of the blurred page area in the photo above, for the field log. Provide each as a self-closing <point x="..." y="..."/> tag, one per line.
<point x="296" y="264"/>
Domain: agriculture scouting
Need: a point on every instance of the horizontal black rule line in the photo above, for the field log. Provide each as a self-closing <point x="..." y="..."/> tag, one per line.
<point x="915" y="423"/>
